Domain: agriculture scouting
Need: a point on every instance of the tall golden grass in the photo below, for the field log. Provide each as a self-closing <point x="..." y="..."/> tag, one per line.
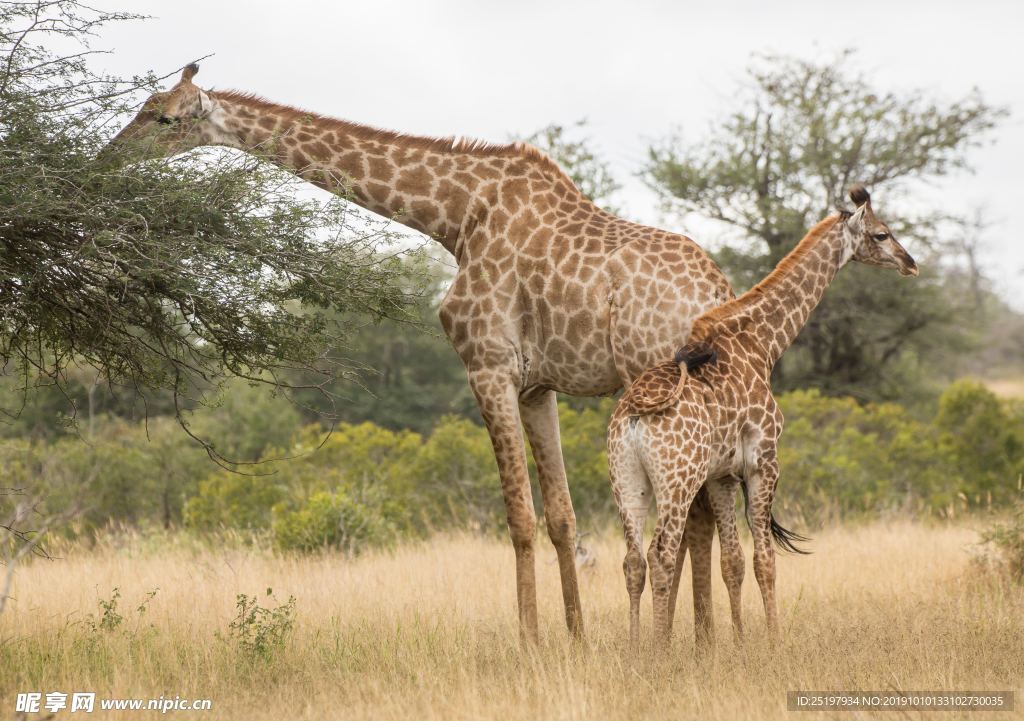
<point x="1007" y="387"/>
<point x="429" y="631"/>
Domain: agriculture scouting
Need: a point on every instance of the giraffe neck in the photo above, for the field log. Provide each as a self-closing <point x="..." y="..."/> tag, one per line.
<point x="424" y="183"/>
<point x="776" y="309"/>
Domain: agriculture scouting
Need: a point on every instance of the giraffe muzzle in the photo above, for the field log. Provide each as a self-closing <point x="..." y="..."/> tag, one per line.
<point x="907" y="265"/>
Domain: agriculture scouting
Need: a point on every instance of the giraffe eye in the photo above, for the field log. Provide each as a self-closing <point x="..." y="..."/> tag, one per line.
<point x="166" y="120"/>
<point x="880" y="236"/>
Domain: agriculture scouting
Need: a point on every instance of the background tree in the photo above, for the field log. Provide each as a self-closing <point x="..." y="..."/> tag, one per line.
<point x="804" y="132"/>
<point x="406" y="374"/>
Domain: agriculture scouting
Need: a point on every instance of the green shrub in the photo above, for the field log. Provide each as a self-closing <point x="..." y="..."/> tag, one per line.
<point x="112" y="618"/>
<point x="456" y="477"/>
<point x="333" y="520"/>
<point x="246" y="421"/>
<point x="362" y="485"/>
<point x="1004" y="545"/>
<point x="838" y="457"/>
<point x="260" y="631"/>
<point x="985" y="439"/>
<point x="124" y="473"/>
<point x="363" y="463"/>
<point x="234" y="500"/>
<point x="584" y="448"/>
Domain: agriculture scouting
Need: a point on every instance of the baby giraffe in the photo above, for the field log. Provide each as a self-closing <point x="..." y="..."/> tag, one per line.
<point x="709" y="416"/>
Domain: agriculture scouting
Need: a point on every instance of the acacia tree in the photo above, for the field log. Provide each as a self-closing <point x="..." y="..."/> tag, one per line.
<point x="162" y="275"/>
<point x="783" y="160"/>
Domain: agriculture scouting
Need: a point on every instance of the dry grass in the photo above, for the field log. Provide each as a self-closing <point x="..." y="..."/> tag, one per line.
<point x="429" y="632"/>
<point x="1008" y="387"/>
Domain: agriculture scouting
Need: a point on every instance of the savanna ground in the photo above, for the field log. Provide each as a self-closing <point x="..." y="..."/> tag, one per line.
<point x="1009" y="386"/>
<point x="429" y="631"/>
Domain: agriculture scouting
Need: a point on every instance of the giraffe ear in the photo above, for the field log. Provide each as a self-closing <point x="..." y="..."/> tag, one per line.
<point x="855" y="223"/>
<point x="205" y="104"/>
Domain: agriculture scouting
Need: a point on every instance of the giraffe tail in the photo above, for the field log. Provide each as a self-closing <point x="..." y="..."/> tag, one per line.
<point x="695" y="354"/>
<point x="660" y="386"/>
<point x="784" y="538"/>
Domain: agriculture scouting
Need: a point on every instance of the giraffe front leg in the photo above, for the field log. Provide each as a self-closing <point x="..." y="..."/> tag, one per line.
<point x="540" y="418"/>
<point x="661" y="558"/>
<point x="499" y="405"/>
<point x="761" y="488"/>
<point x="722" y="494"/>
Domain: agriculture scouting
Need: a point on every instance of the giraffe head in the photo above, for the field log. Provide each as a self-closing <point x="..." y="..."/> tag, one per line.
<point x="871" y="240"/>
<point x="174" y="121"/>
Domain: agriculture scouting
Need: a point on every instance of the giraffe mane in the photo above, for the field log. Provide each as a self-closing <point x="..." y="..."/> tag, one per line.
<point x="444" y="144"/>
<point x="738" y="308"/>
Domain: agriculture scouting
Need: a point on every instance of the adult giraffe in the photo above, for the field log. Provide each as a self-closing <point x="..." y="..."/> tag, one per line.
<point x="552" y="294"/>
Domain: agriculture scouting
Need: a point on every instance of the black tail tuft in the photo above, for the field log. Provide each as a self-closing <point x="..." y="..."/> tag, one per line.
<point x="694" y="355"/>
<point x="786" y="539"/>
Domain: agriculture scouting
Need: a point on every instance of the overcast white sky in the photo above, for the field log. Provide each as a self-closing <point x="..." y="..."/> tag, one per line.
<point x="636" y="70"/>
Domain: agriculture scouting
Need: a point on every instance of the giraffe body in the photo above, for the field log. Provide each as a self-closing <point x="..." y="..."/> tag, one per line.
<point x="708" y="418"/>
<point x="552" y="294"/>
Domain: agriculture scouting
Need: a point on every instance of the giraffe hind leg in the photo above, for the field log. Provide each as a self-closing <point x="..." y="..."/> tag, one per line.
<point x="722" y="493"/>
<point x="676" y="482"/>
<point x="785" y="539"/>
<point x="633" y="494"/>
<point x="761" y="493"/>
